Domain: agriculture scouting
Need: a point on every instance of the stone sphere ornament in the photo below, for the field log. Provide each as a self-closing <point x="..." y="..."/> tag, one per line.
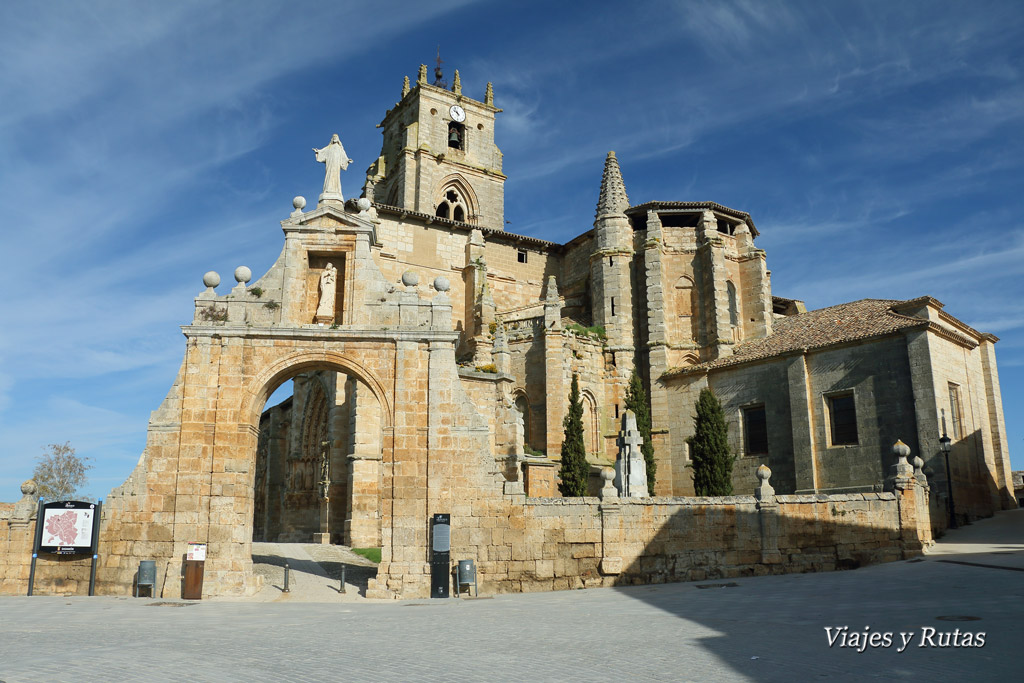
<point x="764" y="473"/>
<point x="243" y="274"/>
<point x="900" y="450"/>
<point x="363" y="203"/>
<point x="299" y="203"/>
<point x="410" y="278"/>
<point x="441" y="283"/>
<point x="607" y="473"/>
<point x="211" y="279"/>
<point x="29" y="487"/>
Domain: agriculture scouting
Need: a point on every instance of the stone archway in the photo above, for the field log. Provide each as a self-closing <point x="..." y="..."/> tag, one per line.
<point x="195" y="480"/>
<point x="318" y="469"/>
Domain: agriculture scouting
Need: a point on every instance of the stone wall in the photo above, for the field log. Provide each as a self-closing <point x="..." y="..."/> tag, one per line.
<point x="15" y="555"/>
<point x="979" y="458"/>
<point x="55" y="574"/>
<point x="540" y="544"/>
<point x="563" y="543"/>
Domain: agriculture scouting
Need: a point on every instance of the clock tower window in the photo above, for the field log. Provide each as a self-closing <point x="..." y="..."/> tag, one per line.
<point x="456" y="135"/>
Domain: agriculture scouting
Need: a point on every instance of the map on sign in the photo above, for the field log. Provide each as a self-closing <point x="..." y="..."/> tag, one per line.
<point x="67" y="528"/>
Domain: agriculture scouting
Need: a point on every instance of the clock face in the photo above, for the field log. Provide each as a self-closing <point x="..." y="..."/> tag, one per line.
<point x="458" y="113"/>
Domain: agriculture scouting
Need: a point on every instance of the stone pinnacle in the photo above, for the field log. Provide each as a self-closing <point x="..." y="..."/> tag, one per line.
<point x="613" y="199"/>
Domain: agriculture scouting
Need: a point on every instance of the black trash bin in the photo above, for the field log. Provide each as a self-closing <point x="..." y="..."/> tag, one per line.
<point x="466" y="577"/>
<point x="146" y="577"/>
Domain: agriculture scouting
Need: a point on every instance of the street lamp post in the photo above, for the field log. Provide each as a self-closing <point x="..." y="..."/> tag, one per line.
<point x="945" y="443"/>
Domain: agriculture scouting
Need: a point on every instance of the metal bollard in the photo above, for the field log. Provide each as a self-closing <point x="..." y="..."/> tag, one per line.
<point x="342" y="579"/>
<point x="286" y="589"/>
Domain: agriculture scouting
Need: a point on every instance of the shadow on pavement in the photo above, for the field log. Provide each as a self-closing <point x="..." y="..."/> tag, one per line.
<point x="773" y="628"/>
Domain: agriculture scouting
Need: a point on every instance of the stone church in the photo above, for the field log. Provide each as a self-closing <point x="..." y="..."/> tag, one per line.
<point x="431" y="354"/>
<point x="677" y="290"/>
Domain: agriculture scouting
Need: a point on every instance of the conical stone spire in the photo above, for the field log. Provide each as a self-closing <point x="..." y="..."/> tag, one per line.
<point x="613" y="199"/>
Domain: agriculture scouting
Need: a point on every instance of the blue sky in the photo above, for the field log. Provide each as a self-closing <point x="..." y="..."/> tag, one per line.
<point x="877" y="146"/>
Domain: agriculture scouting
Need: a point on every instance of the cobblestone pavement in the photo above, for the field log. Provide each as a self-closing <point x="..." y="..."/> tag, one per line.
<point x="760" y="629"/>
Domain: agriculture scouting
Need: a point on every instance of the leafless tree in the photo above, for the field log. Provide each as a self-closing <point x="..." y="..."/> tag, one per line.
<point x="59" y="472"/>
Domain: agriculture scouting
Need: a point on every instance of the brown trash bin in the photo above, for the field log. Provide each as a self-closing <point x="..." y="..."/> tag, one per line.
<point x="193" y="588"/>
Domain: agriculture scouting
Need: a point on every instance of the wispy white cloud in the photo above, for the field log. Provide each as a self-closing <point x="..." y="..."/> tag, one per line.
<point x="1013" y="321"/>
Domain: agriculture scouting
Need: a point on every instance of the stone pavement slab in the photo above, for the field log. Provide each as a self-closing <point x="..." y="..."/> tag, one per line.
<point x="745" y="629"/>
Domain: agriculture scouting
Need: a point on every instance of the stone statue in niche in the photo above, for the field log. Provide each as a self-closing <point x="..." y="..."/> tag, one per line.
<point x="325" y="309"/>
<point x="333" y="156"/>
<point x="325" y="476"/>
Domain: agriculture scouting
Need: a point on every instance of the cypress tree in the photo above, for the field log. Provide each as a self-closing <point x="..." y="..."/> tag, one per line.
<point x="636" y="400"/>
<point x="575" y="471"/>
<point x="709" y="448"/>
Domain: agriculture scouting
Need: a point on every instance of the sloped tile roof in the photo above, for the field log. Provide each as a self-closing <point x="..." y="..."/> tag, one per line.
<point x="815" y="329"/>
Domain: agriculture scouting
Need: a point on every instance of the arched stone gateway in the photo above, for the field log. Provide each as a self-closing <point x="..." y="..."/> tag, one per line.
<point x="195" y="480"/>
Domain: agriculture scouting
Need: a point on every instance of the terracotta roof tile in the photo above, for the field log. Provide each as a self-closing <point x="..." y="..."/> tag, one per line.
<point x="824" y="327"/>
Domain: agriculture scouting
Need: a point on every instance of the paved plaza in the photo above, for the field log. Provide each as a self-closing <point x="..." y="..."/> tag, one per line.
<point x="757" y="629"/>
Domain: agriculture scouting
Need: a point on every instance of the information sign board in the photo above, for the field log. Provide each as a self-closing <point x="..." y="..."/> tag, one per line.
<point x="196" y="551"/>
<point x="67" y="528"/>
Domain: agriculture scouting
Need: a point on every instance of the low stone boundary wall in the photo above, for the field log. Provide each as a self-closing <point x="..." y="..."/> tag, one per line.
<point x="541" y="544"/>
<point x="562" y="543"/>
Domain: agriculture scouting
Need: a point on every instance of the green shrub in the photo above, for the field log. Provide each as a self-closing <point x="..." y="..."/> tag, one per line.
<point x="594" y="331"/>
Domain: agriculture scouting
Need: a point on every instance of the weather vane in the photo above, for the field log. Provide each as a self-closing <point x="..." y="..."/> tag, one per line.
<point x="438" y="74"/>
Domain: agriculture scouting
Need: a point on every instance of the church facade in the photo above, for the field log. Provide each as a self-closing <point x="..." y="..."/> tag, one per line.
<point x="679" y="291"/>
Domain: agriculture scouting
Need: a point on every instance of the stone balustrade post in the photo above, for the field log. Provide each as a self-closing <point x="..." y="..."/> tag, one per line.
<point x="911" y="501"/>
<point x="768" y="517"/>
<point x="611" y="538"/>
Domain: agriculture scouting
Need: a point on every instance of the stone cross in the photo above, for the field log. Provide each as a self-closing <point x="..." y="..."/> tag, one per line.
<point x="630" y="468"/>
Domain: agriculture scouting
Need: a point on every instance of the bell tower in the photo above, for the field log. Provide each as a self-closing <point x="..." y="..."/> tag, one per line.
<point x="439" y="155"/>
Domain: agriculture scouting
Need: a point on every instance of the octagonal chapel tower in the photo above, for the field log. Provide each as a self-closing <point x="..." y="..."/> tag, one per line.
<point x="439" y="156"/>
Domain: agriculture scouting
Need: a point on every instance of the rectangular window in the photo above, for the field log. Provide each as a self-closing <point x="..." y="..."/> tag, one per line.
<point x="842" y="415"/>
<point x="956" y="411"/>
<point x="613" y="306"/>
<point x="755" y="431"/>
<point x="522" y="256"/>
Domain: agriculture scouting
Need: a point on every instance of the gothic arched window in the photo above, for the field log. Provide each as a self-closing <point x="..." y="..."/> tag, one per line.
<point x="452" y="206"/>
